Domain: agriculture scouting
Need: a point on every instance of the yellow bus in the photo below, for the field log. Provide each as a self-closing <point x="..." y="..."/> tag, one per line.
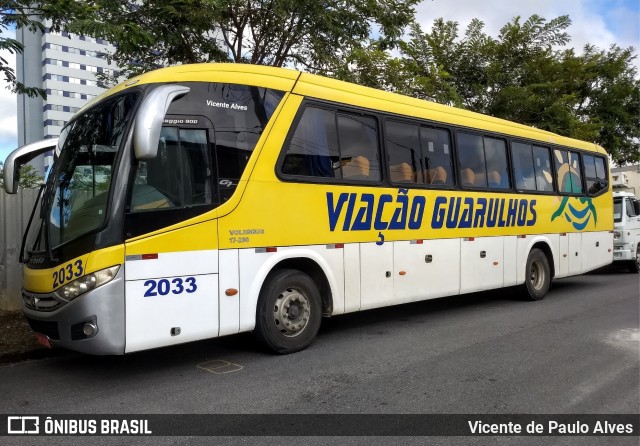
<point x="205" y="200"/>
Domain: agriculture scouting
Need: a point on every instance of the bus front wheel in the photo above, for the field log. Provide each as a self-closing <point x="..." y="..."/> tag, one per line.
<point x="289" y="311"/>
<point x="537" y="275"/>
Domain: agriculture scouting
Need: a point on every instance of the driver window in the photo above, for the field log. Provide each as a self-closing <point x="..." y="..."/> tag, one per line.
<point x="178" y="176"/>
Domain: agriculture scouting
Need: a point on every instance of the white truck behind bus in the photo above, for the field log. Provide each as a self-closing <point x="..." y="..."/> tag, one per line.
<point x="626" y="234"/>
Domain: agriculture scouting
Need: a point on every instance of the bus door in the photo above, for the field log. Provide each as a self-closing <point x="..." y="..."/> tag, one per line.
<point x="171" y="292"/>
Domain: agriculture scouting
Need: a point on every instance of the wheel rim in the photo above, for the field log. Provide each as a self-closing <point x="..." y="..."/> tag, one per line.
<point x="291" y="312"/>
<point x="536" y="274"/>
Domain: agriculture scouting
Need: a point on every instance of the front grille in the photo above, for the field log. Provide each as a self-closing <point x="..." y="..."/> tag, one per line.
<point x="48" y="328"/>
<point x="40" y="302"/>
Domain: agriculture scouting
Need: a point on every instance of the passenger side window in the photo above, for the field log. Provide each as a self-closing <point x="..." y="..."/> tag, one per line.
<point x="326" y="144"/>
<point x="403" y="148"/>
<point x="595" y="174"/>
<point x="531" y="167"/>
<point x="178" y="176"/>
<point x="418" y="154"/>
<point x="568" y="171"/>
<point x="359" y="154"/>
<point x="542" y="165"/>
<point x="436" y="156"/>
<point x="496" y="155"/>
<point x="471" y="160"/>
<point x="483" y="162"/>
<point x="313" y="148"/>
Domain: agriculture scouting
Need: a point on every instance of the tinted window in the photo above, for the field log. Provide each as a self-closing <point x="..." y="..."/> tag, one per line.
<point x="436" y="156"/>
<point x="617" y="210"/>
<point x="327" y="144"/>
<point x="313" y="148"/>
<point x="595" y="174"/>
<point x="631" y="211"/>
<point x="403" y="148"/>
<point x="483" y="161"/>
<point x="471" y="160"/>
<point x="359" y="154"/>
<point x="531" y="167"/>
<point x="568" y="171"/>
<point x="542" y="165"/>
<point x="239" y="114"/>
<point x="496" y="155"/>
<point x="522" y="156"/>
<point x="178" y="176"/>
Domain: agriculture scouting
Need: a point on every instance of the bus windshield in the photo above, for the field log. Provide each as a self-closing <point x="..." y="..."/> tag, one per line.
<point x="76" y="199"/>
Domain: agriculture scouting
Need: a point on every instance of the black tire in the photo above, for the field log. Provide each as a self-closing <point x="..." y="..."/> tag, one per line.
<point x="634" y="265"/>
<point x="289" y="312"/>
<point x="537" y="278"/>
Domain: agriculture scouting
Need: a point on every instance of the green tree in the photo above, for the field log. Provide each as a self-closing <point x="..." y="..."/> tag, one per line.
<point x="29" y="177"/>
<point x="315" y="35"/>
<point x="29" y="14"/>
<point x="525" y="75"/>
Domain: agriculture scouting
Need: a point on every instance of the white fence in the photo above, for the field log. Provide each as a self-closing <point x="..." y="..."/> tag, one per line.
<point x="14" y="216"/>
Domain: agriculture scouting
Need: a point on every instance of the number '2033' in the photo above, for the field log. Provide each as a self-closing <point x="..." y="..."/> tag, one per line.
<point x="163" y="287"/>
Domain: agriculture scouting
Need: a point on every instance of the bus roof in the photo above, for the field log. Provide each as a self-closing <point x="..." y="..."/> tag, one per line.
<point x="328" y="89"/>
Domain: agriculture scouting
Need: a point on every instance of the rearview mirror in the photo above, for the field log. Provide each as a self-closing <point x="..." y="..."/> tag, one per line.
<point x="20" y="157"/>
<point x="150" y="117"/>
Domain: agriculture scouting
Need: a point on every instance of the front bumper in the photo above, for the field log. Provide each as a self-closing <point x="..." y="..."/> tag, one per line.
<point x="620" y="254"/>
<point x="103" y="306"/>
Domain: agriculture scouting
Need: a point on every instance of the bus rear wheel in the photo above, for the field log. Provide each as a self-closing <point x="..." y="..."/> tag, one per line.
<point x="537" y="275"/>
<point x="289" y="312"/>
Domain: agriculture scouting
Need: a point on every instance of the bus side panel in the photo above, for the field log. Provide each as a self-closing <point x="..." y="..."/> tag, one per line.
<point x="431" y="269"/>
<point x="510" y="267"/>
<point x="597" y="249"/>
<point x="575" y="253"/>
<point x="166" y="309"/>
<point x="352" y="277"/>
<point x="255" y="265"/>
<point x="229" y="306"/>
<point x="563" y="249"/>
<point x="171" y="287"/>
<point x="376" y="277"/>
<point x="482" y="264"/>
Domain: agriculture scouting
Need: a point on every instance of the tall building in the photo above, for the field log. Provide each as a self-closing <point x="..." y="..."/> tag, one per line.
<point x="65" y="66"/>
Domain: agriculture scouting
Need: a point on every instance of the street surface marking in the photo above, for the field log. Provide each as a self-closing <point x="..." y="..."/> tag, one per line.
<point x="220" y="366"/>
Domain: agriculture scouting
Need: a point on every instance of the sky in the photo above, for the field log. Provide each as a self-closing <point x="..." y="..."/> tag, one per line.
<point x="598" y="22"/>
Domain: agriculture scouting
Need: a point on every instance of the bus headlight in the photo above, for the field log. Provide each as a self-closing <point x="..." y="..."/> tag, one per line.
<point x="93" y="280"/>
<point x="616" y="235"/>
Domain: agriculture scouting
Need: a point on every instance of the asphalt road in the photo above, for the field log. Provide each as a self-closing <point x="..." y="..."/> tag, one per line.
<point x="577" y="351"/>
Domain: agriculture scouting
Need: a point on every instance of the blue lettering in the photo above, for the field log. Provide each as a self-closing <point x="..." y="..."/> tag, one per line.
<point x="511" y="213"/>
<point x="454" y="211"/>
<point x="532" y="210"/>
<point x="522" y="212"/>
<point x="335" y="211"/>
<point x="399" y="218"/>
<point x="501" y="213"/>
<point x="478" y="219"/>
<point x="349" y="216"/>
<point x="378" y="224"/>
<point x="417" y="210"/>
<point x="365" y="214"/>
<point x="467" y="213"/>
<point x="438" y="213"/>
<point x="492" y="216"/>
